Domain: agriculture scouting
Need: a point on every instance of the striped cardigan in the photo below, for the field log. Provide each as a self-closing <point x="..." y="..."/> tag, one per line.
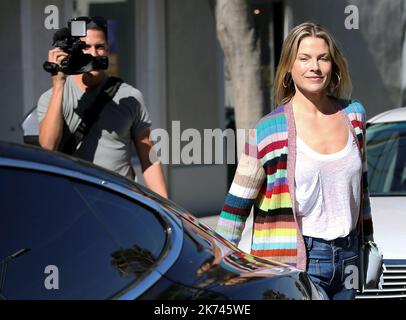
<point x="265" y="180"/>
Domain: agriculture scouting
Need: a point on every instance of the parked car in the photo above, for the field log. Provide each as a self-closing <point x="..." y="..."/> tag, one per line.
<point x="386" y="152"/>
<point x="71" y="230"/>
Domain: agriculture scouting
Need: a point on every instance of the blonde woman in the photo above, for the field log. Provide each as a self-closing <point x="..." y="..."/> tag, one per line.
<point x="304" y="168"/>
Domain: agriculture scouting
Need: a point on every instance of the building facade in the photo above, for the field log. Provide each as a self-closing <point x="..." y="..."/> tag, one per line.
<point x="169" y="50"/>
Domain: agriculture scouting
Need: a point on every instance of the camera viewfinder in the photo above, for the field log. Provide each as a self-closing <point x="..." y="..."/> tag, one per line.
<point x="78" y="28"/>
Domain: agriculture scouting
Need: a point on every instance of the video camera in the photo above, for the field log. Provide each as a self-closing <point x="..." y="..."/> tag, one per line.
<point x="77" y="62"/>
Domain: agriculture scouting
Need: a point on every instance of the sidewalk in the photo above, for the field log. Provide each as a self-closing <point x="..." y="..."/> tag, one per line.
<point x="210" y="221"/>
<point x="245" y="242"/>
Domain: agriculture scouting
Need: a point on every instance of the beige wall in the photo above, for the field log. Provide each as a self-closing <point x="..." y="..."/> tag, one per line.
<point x="25" y="43"/>
<point x="195" y="98"/>
<point x="10" y="72"/>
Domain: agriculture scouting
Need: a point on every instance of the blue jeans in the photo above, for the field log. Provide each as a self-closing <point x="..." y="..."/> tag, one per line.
<point x="329" y="264"/>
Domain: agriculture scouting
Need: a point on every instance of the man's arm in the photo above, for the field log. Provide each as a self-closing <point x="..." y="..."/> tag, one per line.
<point x="50" y="128"/>
<point x="152" y="172"/>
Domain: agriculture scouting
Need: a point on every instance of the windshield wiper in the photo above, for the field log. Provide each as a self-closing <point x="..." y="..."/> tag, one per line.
<point x="4" y="263"/>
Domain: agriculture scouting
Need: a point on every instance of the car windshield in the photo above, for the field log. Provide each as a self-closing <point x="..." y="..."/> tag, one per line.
<point x="386" y="156"/>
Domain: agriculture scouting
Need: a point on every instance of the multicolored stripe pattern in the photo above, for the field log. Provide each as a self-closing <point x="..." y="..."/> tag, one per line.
<point x="261" y="182"/>
<point x="356" y="114"/>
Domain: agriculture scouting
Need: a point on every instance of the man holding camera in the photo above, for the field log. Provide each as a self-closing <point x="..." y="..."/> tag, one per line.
<point x="118" y="121"/>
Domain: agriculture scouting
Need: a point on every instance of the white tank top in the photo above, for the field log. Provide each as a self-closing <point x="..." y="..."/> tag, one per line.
<point x="327" y="188"/>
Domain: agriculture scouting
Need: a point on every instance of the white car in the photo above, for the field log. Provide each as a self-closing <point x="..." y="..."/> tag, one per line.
<point x="386" y="156"/>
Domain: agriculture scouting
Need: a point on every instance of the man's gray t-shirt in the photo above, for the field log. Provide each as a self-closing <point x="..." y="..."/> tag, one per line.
<point x="108" y="143"/>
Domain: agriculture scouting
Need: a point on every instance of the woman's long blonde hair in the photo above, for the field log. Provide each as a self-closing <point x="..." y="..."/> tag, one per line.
<point x="340" y="84"/>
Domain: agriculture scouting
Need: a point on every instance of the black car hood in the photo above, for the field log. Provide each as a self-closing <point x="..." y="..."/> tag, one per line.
<point x="215" y="268"/>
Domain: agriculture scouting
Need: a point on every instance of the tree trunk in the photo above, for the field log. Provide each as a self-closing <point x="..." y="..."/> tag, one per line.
<point x="242" y="56"/>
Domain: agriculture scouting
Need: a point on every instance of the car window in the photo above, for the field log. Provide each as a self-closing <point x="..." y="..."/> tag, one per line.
<point x="134" y="228"/>
<point x="54" y="246"/>
<point x="386" y="156"/>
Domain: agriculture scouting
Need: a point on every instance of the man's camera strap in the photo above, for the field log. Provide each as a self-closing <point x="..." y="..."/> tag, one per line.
<point x="91" y="114"/>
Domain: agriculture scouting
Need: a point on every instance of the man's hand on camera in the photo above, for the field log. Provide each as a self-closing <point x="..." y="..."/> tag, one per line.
<point x="56" y="55"/>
